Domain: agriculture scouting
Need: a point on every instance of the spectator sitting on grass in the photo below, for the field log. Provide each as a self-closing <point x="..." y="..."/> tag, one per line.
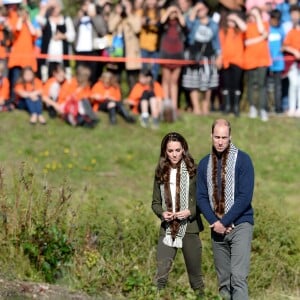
<point x="146" y="98"/>
<point x="106" y="96"/>
<point x="74" y="99"/>
<point x="52" y="89"/>
<point x="28" y="90"/>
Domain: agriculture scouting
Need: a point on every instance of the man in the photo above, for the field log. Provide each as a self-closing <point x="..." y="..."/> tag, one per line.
<point x="225" y="183"/>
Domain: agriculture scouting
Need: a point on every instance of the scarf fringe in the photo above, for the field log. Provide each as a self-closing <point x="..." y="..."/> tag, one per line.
<point x="168" y="241"/>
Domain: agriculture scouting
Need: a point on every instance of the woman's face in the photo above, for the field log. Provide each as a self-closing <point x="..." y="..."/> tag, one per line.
<point x="202" y="11"/>
<point x="151" y="3"/>
<point x="174" y="152"/>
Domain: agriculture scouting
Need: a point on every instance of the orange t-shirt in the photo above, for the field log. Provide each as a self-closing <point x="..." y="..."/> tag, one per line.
<point x="71" y="88"/>
<point x="292" y="39"/>
<point x="4" y="88"/>
<point x="232" y="45"/>
<point x="22" y="52"/>
<point x="111" y="92"/>
<point x="137" y="91"/>
<point x="36" y="85"/>
<point x="47" y="86"/>
<point x="258" y="54"/>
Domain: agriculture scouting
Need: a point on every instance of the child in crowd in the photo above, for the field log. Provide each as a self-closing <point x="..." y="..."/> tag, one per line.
<point x="146" y="98"/>
<point x="52" y="89"/>
<point x="276" y="37"/>
<point x="291" y="46"/>
<point x="28" y="90"/>
<point x="106" y="96"/>
<point x="5" y="103"/>
<point x="74" y="99"/>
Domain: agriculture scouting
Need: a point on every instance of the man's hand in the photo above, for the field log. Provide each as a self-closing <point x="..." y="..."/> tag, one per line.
<point x="218" y="227"/>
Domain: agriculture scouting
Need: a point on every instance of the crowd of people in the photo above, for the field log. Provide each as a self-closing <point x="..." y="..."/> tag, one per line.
<point x="176" y="55"/>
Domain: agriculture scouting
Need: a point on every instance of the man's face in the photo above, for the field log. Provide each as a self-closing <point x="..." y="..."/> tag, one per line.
<point x="221" y="137"/>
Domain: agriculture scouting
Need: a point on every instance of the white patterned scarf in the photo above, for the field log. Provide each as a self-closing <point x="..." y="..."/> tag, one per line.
<point x="184" y="204"/>
<point x="228" y="181"/>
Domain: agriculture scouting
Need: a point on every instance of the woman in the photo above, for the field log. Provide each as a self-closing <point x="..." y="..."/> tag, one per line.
<point x="172" y="47"/>
<point x="174" y="202"/>
<point x="88" y="27"/>
<point x="126" y="23"/>
<point x="22" y="52"/>
<point x="149" y="36"/>
<point x="57" y="35"/>
<point x="203" y="47"/>
<point x="257" y="59"/>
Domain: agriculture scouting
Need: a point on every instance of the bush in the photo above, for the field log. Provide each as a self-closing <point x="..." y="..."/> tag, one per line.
<point x="36" y="222"/>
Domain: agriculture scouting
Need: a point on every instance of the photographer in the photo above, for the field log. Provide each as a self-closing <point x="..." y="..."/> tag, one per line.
<point x="125" y="25"/>
<point x="172" y="39"/>
<point x="5" y="38"/>
<point x="22" y="52"/>
<point x="89" y="26"/>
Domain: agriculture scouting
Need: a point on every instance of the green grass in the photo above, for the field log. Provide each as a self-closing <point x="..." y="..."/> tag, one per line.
<point x="110" y="171"/>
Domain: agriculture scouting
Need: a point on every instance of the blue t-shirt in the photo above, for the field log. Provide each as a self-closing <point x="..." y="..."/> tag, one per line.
<point x="276" y="38"/>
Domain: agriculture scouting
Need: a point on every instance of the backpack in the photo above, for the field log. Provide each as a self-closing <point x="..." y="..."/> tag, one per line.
<point x="117" y="46"/>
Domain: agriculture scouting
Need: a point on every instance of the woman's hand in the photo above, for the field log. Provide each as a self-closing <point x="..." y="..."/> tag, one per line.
<point x="183" y="214"/>
<point x="168" y="216"/>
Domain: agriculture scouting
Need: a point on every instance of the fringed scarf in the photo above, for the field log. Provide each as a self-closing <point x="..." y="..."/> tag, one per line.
<point x="222" y="201"/>
<point x="175" y="230"/>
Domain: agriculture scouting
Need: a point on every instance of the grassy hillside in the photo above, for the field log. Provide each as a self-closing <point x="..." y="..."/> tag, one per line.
<point x="90" y="193"/>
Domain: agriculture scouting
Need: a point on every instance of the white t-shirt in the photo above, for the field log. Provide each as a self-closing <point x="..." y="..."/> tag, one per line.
<point x="84" y="40"/>
<point x="173" y="187"/>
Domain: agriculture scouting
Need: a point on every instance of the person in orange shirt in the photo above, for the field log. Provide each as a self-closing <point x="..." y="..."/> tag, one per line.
<point x="106" y="96"/>
<point x="22" y="52"/>
<point x="28" y="89"/>
<point x="5" y="36"/>
<point x="232" y="29"/>
<point x="256" y="63"/>
<point x="5" y="102"/>
<point x="291" y="46"/>
<point x="51" y="90"/>
<point x="74" y="99"/>
<point x="146" y="98"/>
